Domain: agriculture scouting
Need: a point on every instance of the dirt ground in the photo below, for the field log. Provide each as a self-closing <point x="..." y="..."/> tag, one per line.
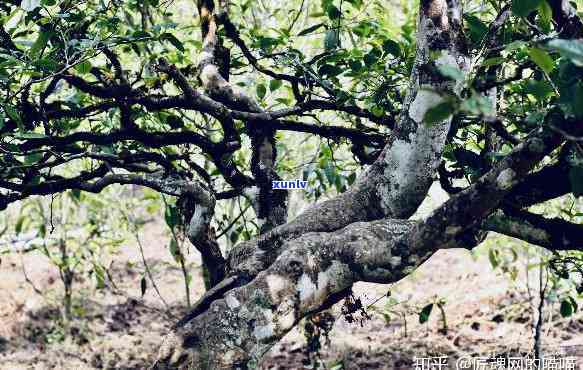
<point x="487" y="314"/>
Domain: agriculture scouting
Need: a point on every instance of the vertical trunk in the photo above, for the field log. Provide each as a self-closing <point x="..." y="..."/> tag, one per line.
<point x="269" y="205"/>
<point x="310" y="274"/>
<point x="197" y="210"/>
<point x="398" y="181"/>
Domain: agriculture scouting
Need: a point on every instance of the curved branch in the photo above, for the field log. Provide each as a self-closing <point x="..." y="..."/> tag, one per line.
<point x="150" y="139"/>
<point x="548" y="183"/>
<point x="554" y="234"/>
<point x="333" y="132"/>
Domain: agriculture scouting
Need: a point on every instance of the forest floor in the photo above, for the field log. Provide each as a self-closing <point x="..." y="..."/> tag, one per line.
<point x="487" y="314"/>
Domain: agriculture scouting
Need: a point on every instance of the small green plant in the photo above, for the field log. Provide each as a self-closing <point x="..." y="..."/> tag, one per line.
<point x="76" y="238"/>
<point x="428" y="309"/>
<point x="177" y="244"/>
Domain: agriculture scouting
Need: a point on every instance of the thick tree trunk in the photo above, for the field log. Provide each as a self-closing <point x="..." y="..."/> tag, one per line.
<point x="316" y="269"/>
<point x="304" y="266"/>
<point x="397" y="182"/>
<point x="270" y="206"/>
<point x="301" y="267"/>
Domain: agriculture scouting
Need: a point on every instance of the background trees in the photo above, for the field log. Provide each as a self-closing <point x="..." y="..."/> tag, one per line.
<point x="365" y="107"/>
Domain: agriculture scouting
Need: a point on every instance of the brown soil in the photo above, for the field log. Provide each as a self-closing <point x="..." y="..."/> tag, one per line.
<point x="487" y="314"/>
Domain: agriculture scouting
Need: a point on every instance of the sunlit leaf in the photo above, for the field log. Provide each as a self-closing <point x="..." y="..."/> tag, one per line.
<point x="30" y="5"/>
<point x="83" y="68"/>
<point x="542" y="59"/>
<point x="40" y="43"/>
<point x="274" y="85"/>
<point x="571" y="49"/>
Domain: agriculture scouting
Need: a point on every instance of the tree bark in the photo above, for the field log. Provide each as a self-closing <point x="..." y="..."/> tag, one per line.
<point x="398" y="181"/>
<point x="299" y="267"/>
<point x="302" y="267"/>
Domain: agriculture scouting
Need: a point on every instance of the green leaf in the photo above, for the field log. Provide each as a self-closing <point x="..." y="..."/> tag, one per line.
<point x="261" y="91"/>
<point x="83" y="68"/>
<point x="355" y="65"/>
<point x="515" y="45"/>
<point x="29" y="135"/>
<point x="493" y="61"/>
<point x="478" y="29"/>
<point x="99" y="276"/>
<point x="76" y="194"/>
<point x="29" y="5"/>
<point x="234" y="236"/>
<point x="32" y="158"/>
<point x="330" y="172"/>
<point x="493" y="257"/>
<point x="356" y="3"/>
<point x="174" y="250"/>
<point x="573" y="303"/>
<point x="545" y="15"/>
<point x="13" y="114"/>
<point x="311" y="29"/>
<point x="333" y="12"/>
<point x="425" y="312"/>
<point x="542" y="59"/>
<point x="372" y="57"/>
<point x="19" y="225"/>
<point x="143" y="285"/>
<point x="171" y="216"/>
<point x="274" y="85"/>
<point x="142" y="35"/>
<point x="451" y="71"/>
<point x="46" y="64"/>
<point x="566" y="308"/>
<point x="570" y="49"/>
<point x="267" y="43"/>
<point x="478" y="104"/>
<point x="173" y="40"/>
<point x="392" y="47"/>
<point x="174" y="121"/>
<point x="39" y="44"/>
<point x="332" y="39"/>
<point x="523" y="8"/>
<point x="577" y="100"/>
<point x="350" y="179"/>
<point x="540" y="89"/>
<point x="576" y="180"/>
<point x="329" y="70"/>
<point x="377" y="110"/>
<point x="438" y="113"/>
